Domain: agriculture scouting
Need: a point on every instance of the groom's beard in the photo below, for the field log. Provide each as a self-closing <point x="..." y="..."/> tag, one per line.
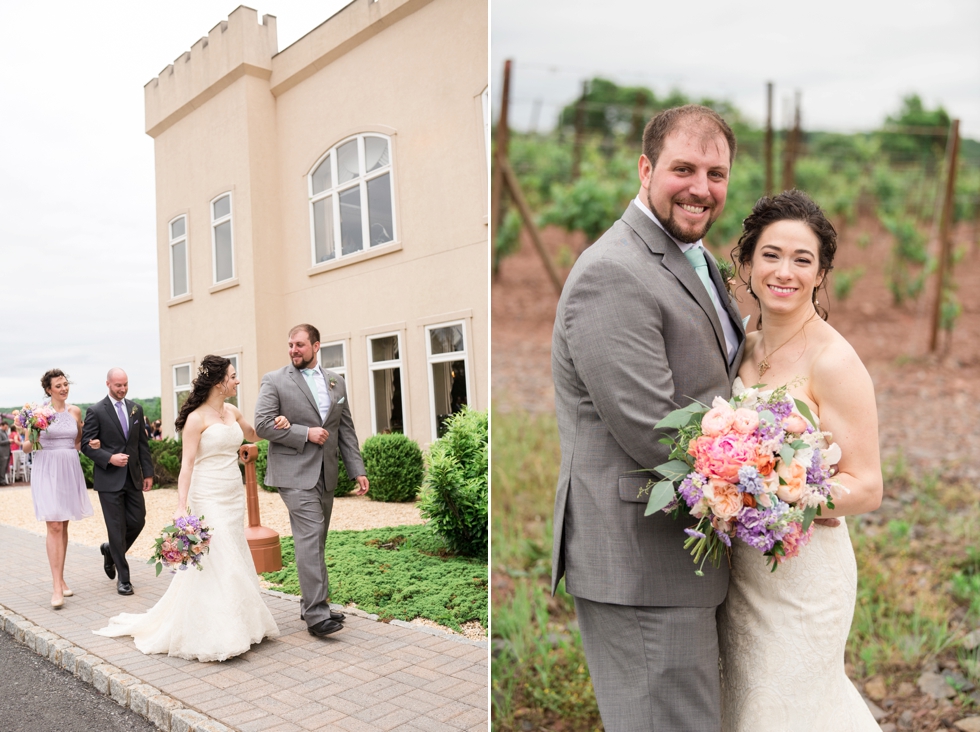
<point x="301" y="365"/>
<point x="671" y="227"/>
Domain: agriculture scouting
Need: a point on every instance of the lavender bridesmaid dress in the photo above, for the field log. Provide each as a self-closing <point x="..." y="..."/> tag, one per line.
<point x="57" y="484"/>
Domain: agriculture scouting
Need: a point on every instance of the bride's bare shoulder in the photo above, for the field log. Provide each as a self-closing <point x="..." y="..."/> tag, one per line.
<point x="836" y="360"/>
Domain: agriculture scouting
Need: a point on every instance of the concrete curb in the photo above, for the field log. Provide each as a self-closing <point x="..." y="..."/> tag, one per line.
<point x="398" y="623"/>
<point x="164" y="711"/>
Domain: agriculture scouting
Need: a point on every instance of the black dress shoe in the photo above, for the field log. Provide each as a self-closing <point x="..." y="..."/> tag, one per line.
<point x="124" y="588"/>
<point x="339" y="617"/>
<point x="325" y="627"/>
<point x="107" y="565"/>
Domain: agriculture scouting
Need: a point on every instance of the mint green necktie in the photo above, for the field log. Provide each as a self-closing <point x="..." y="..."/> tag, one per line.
<point x="695" y="255"/>
<point x="308" y="373"/>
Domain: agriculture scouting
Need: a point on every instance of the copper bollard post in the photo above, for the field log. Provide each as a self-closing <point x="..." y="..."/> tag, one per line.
<point x="263" y="542"/>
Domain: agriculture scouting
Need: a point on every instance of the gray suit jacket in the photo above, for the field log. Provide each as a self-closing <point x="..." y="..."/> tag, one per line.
<point x="293" y="461"/>
<point x="636" y="336"/>
<point x="4" y="452"/>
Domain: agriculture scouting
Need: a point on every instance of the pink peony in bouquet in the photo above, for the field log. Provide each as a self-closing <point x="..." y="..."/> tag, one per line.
<point x="181" y="545"/>
<point x="35" y="418"/>
<point x="754" y="467"/>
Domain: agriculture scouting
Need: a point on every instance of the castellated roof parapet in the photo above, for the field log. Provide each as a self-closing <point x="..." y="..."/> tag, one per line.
<point x="234" y="48"/>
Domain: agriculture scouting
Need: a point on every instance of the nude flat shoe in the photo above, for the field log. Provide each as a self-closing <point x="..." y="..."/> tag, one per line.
<point x="58" y="605"/>
<point x="67" y="593"/>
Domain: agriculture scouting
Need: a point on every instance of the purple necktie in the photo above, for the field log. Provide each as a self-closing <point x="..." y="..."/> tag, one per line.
<point x="122" y="419"/>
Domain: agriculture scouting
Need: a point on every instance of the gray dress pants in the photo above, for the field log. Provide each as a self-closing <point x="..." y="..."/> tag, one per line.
<point x="653" y="668"/>
<point x="309" y="518"/>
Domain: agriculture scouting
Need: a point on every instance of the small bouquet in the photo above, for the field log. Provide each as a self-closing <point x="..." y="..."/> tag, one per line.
<point x="181" y="545"/>
<point x="754" y="467"/>
<point x="35" y="418"/>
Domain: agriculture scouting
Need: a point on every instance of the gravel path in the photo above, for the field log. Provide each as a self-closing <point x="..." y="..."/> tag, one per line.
<point x="349" y="513"/>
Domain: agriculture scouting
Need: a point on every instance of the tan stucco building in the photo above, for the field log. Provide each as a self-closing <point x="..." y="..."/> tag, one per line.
<point x="341" y="182"/>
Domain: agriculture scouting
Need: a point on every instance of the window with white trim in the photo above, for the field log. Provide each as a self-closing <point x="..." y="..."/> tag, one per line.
<point x="182" y="385"/>
<point x="333" y="357"/>
<point x="235" y="399"/>
<point x="448" y="388"/>
<point x="222" y="246"/>
<point x="351" y="193"/>
<point x="385" y="365"/>
<point x="179" y="281"/>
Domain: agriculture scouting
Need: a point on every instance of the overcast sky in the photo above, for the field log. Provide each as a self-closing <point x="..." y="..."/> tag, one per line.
<point x="77" y="248"/>
<point x="853" y="60"/>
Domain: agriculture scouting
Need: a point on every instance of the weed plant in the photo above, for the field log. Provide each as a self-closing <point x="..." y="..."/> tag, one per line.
<point x="402" y="572"/>
<point x="918" y="589"/>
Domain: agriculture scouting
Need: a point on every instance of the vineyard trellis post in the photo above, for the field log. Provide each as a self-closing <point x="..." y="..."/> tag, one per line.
<point x="579" y="131"/>
<point x="952" y="152"/>
<point x="497" y="185"/>
<point x="768" y="152"/>
<point x="791" y="148"/>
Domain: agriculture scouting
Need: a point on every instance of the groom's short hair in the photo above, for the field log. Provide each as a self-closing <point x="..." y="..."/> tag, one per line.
<point x="312" y="332"/>
<point x="699" y="116"/>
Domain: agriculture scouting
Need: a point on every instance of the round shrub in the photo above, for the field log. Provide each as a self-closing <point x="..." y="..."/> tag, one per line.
<point x="394" y="467"/>
<point x="455" y="497"/>
<point x="345" y="484"/>
<point x="165" y="455"/>
<point x="88" y="468"/>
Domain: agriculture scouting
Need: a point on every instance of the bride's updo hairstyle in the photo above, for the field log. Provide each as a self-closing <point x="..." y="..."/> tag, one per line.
<point x="212" y="372"/>
<point x="791" y="205"/>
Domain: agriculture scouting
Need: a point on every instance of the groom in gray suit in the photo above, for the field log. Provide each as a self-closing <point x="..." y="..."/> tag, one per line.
<point x="645" y="325"/>
<point x="302" y="462"/>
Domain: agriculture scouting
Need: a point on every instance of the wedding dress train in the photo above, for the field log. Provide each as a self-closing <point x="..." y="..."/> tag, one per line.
<point x="218" y="612"/>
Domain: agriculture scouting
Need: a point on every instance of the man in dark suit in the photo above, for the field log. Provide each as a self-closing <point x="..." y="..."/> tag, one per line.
<point x="4" y="452"/>
<point x="123" y="471"/>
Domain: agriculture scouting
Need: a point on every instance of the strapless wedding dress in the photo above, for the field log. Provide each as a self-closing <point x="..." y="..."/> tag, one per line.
<point x="218" y="612"/>
<point x="782" y="636"/>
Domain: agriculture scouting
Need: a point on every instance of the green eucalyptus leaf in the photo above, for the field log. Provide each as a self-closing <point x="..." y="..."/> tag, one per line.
<point x="786" y="452"/>
<point x="676" y="420"/>
<point x="805" y="411"/>
<point x="798" y="444"/>
<point x="674" y="470"/>
<point x="808" y="515"/>
<point x="660" y="495"/>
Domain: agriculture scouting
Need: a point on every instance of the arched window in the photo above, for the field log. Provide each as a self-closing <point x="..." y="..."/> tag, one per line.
<point x="351" y="198"/>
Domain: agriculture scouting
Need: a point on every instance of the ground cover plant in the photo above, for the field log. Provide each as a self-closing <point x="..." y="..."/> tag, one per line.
<point x="918" y="605"/>
<point x="401" y="572"/>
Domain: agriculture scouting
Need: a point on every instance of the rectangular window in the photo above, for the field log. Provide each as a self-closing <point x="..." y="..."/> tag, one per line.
<point x="236" y="400"/>
<point x="178" y="257"/>
<point x="182" y="385"/>
<point x="333" y="357"/>
<point x="221" y="239"/>
<point x="384" y="363"/>
<point x="448" y="388"/>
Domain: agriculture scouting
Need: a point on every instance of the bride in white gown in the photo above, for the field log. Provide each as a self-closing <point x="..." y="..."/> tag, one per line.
<point x="218" y="612"/>
<point x="782" y="634"/>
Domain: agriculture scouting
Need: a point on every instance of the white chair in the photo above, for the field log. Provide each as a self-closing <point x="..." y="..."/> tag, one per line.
<point x="22" y="468"/>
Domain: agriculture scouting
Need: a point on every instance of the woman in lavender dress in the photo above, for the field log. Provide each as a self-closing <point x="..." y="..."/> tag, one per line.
<point x="57" y="484"/>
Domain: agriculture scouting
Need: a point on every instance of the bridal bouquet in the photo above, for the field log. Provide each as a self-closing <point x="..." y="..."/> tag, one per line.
<point x="754" y="467"/>
<point x="35" y="418"/>
<point x="181" y="545"/>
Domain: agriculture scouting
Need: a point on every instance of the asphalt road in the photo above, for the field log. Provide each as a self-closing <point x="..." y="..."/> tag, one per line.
<point x="37" y="696"/>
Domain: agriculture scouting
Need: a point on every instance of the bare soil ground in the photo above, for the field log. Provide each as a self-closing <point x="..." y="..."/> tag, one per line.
<point x="928" y="405"/>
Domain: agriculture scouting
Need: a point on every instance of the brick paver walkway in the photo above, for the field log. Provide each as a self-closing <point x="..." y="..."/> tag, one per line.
<point x="370" y="676"/>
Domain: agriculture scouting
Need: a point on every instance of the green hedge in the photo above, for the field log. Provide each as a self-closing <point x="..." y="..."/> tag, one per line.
<point x="345" y="484"/>
<point x="88" y="468"/>
<point x="394" y="467"/>
<point x="456" y="490"/>
<point x="166" y="455"/>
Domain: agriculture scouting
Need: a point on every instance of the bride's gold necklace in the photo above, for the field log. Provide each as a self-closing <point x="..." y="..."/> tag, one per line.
<point x="764" y="365"/>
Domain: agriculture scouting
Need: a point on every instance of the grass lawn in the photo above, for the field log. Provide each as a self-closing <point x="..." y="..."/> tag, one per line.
<point x="918" y="592"/>
<point x="401" y="572"/>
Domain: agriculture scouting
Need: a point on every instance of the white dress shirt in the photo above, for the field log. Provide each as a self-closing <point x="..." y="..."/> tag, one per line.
<point x="322" y="393"/>
<point x="731" y="338"/>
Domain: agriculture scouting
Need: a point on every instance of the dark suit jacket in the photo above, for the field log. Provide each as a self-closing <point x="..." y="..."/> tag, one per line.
<point x="102" y="423"/>
<point x="4" y="452"/>
<point x="636" y="336"/>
